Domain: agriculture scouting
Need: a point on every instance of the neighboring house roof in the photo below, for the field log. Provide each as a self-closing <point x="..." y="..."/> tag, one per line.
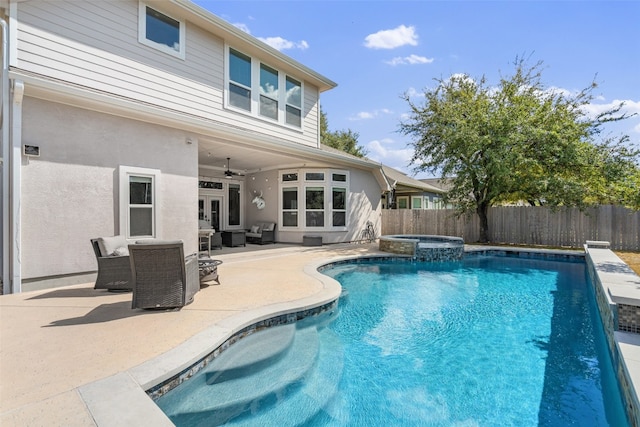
<point x="389" y="176"/>
<point x="444" y="184"/>
<point x="406" y="184"/>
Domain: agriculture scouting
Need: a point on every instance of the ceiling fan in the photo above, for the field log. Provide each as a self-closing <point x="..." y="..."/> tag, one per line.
<point x="229" y="173"/>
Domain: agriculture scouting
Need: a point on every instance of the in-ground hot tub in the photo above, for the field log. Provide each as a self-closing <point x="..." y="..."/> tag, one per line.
<point x="424" y="247"/>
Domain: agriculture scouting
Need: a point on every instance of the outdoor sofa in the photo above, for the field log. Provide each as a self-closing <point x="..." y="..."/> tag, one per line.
<point x="261" y="233"/>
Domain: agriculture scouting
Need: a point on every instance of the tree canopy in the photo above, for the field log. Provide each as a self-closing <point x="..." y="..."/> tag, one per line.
<point x="346" y="141"/>
<point x="520" y="141"/>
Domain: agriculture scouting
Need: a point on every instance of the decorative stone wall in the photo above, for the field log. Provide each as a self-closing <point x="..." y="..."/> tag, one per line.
<point x="398" y="246"/>
<point x="424" y="247"/>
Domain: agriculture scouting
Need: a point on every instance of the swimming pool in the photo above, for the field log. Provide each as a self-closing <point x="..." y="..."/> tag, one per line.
<point x="484" y="341"/>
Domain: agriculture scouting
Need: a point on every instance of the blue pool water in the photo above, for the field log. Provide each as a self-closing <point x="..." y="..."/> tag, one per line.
<point x="487" y="341"/>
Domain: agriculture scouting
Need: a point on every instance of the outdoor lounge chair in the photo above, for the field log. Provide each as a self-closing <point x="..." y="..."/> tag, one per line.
<point x="114" y="268"/>
<point x="161" y="276"/>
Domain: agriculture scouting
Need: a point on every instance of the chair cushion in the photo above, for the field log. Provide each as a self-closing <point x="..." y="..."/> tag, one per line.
<point x="269" y="226"/>
<point x="255" y="229"/>
<point x="108" y="245"/>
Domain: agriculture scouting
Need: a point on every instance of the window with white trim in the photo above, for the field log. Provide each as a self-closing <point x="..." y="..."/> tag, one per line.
<point x="255" y="87"/>
<point x="289" y="207"/>
<point x="403" y="202"/>
<point x="268" y="92"/>
<point x="294" y="102"/>
<point x="325" y="199"/>
<point x="314" y="207"/>
<point x="161" y="31"/>
<point x="339" y="206"/>
<point x="239" y="80"/>
<point x="416" y="202"/>
<point x="139" y="201"/>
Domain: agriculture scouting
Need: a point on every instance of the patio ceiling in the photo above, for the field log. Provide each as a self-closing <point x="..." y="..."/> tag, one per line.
<point x="246" y="160"/>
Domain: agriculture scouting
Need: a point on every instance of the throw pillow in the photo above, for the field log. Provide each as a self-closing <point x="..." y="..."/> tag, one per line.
<point x="121" y="251"/>
<point x="255" y="229"/>
<point x="108" y="245"/>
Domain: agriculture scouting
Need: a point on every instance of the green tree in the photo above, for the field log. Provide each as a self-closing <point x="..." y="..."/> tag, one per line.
<point x="519" y="141"/>
<point x="346" y="141"/>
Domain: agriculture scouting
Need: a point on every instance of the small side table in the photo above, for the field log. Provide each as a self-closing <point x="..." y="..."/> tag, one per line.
<point x="204" y="237"/>
<point x="208" y="269"/>
<point x="233" y="238"/>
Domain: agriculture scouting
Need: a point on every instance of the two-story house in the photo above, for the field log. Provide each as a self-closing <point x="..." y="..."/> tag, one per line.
<point x="138" y="118"/>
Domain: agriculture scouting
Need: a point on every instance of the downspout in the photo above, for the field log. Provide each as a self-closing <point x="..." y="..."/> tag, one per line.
<point x="16" y="187"/>
<point x="6" y="283"/>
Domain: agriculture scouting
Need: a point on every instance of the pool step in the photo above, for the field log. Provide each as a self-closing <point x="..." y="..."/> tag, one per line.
<point x="251" y="354"/>
<point x="224" y="395"/>
<point x="312" y="398"/>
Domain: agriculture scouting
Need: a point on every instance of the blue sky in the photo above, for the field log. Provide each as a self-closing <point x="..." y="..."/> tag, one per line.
<point x="377" y="50"/>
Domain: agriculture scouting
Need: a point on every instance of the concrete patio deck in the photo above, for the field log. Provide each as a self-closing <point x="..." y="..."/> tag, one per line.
<point x="53" y="342"/>
<point x="65" y="353"/>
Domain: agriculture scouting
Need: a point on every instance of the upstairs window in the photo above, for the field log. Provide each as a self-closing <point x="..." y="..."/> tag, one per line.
<point x="268" y="92"/>
<point x="294" y="102"/>
<point x="239" y="80"/>
<point x="262" y="90"/>
<point x="161" y="31"/>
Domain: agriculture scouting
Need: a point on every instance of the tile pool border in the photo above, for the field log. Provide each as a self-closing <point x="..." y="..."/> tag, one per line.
<point x="617" y="290"/>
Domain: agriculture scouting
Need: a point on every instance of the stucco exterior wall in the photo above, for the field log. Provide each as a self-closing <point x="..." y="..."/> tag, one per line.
<point x="267" y="183"/>
<point x="70" y="192"/>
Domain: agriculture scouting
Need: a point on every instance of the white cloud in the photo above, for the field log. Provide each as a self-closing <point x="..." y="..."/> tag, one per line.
<point x="281" y="44"/>
<point x="414" y="93"/>
<point x="630" y="107"/>
<point x="243" y="27"/>
<point x="390" y="39"/>
<point x="410" y="60"/>
<point x="363" y="115"/>
<point x="386" y="151"/>
<point x="367" y="115"/>
<point x="637" y="128"/>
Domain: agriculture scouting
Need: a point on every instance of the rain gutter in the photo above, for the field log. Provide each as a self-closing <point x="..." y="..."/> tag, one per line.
<point x="6" y="283"/>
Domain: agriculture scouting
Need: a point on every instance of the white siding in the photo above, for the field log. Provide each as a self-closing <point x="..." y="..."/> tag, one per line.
<point x="94" y="44"/>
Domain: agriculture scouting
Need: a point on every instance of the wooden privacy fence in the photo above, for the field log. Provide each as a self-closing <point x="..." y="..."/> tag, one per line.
<point x="528" y="225"/>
